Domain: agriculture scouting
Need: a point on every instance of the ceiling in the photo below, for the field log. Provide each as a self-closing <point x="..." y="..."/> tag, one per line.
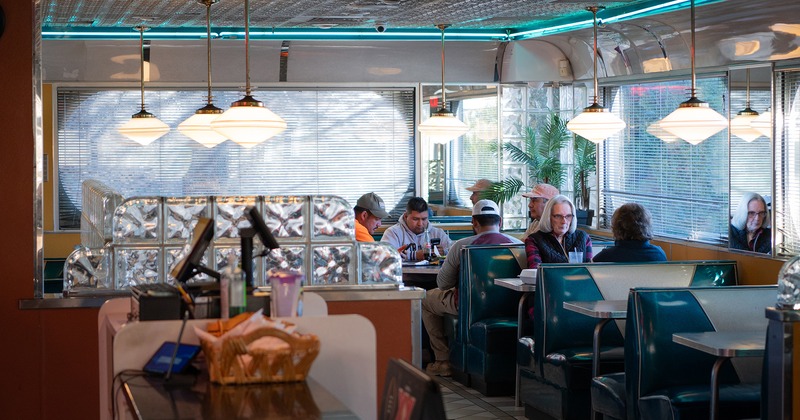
<point x="498" y="17"/>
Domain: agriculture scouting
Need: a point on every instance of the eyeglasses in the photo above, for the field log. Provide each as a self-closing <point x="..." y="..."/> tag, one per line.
<point x="562" y="217"/>
<point x="756" y="213"/>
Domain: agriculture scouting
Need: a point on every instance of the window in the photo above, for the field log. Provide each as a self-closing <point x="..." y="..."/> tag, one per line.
<point x="787" y="163"/>
<point x="341" y="142"/>
<point x="682" y="185"/>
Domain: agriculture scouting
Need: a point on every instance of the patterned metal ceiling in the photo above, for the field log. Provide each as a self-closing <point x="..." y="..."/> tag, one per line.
<point x="513" y="15"/>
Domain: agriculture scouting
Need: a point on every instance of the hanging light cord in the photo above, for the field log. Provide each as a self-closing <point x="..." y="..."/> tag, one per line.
<point x="208" y="4"/>
<point x="442" y="27"/>
<point x="691" y="49"/>
<point x="747" y="97"/>
<point x="247" y="46"/>
<point x="141" y="30"/>
<point x="594" y="9"/>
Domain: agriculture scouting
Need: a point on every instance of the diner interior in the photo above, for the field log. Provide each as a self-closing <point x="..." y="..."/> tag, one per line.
<point x="107" y="180"/>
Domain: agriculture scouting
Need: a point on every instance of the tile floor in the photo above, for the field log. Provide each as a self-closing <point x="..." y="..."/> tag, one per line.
<point x="461" y="402"/>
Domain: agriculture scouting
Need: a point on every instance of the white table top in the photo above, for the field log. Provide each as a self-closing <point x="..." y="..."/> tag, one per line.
<point x="724" y="343"/>
<point x="515" y="283"/>
<point x="614" y="309"/>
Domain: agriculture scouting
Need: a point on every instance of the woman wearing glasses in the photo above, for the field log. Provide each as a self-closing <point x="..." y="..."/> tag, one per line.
<point x="557" y="236"/>
<point x="750" y="229"/>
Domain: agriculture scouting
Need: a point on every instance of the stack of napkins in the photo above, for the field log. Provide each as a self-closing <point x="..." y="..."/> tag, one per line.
<point x="256" y="321"/>
<point x="528" y="276"/>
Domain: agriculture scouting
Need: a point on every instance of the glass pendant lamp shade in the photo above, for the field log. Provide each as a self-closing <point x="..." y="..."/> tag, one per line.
<point x="442" y="126"/>
<point x="143" y="127"/>
<point x="763" y="124"/>
<point x="595" y="123"/>
<point x="741" y="125"/>
<point x="694" y="121"/>
<point x="248" y="122"/>
<point x="198" y="126"/>
<point x="655" y="130"/>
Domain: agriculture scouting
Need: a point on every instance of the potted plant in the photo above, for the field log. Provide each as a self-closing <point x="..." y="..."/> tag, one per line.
<point x="585" y="163"/>
<point x="541" y="153"/>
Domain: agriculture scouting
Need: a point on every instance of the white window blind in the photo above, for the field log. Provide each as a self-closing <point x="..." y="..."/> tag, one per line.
<point x="787" y="163"/>
<point x="341" y="142"/>
<point x="682" y="185"/>
<point x="751" y="163"/>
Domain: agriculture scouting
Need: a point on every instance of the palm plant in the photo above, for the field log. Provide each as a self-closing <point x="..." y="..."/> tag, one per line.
<point x="585" y="155"/>
<point x="541" y="153"/>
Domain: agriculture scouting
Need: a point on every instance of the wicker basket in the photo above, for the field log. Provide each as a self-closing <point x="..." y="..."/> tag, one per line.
<point x="232" y="363"/>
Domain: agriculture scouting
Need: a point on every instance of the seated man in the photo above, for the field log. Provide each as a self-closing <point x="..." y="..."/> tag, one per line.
<point x="410" y="230"/>
<point x="444" y="300"/>
<point x="369" y="211"/>
<point x="539" y="196"/>
<point x="480" y="186"/>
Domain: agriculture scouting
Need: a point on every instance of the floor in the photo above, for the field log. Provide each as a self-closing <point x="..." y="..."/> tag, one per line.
<point x="461" y="402"/>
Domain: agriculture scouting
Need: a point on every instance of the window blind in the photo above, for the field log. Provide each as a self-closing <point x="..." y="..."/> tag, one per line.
<point x="682" y="185"/>
<point x="343" y="142"/>
<point x="787" y="163"/>
<point x="751" y="163"/>
<point x="472" y="155"/>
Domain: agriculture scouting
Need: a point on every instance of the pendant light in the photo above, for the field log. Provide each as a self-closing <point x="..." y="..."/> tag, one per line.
<point x="694" y="121"/>
<point x="248" y="122"/>
<point x="442" y="126"/>
<point x="655" y="130"/>
<point x="741" y="125"/>
<point x="143" y="127"/>
<point x="595" y="123"/>
<point x="763" y="124"/>
<point x="198" y="126"/>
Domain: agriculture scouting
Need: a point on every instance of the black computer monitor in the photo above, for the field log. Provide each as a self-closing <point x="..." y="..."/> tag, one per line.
<point x="190" y="265"/>
<point x="410" y="391"/>
<point x="261" y="228"/>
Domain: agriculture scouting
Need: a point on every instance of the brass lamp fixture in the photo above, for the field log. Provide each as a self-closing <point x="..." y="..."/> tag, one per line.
<point x="198" y="126"/>
<point x="595" y="123"/>
<point x="248" y="122"/>
<point x="694" y="121"/>
<point x="143" y="127"/>
<point x="442" y="126"/>
<point x="741" y="125"/>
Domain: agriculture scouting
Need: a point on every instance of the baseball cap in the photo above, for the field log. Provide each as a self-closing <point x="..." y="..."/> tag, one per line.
<point x="373" y="203"/>
<point x="542" y="190"/>
<point x="482" y="184"/>
<point x="485" y="207"/>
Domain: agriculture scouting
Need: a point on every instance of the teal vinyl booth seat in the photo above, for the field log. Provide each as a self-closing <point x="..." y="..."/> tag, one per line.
<point x="666" y="380"/>
<point x="556" y="362"/>
<point x="483" y="336"/>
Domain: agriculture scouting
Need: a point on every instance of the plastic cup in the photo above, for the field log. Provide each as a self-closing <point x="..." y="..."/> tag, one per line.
<point x="285" y="294"/>
<point x="575" y="257"/>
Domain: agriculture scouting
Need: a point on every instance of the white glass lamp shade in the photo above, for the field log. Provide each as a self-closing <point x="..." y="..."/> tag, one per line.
<point x="694" y="121"/>
<point x="763" y="124"/>
<point x="595" y="123"/>
<point x="655" y="130"/>
<point x="143" y="128"/>
<point x="442" y="127"/>
<point x="248" y="123"/>
<point x="198" y="127"/>
<point x="741" y="125"/>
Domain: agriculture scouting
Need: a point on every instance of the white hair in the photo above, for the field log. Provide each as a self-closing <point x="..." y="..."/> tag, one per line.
<point x="739" y="219"/>
<point x="544" y="222"/>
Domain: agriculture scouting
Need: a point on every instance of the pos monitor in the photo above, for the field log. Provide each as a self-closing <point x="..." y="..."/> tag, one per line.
<point x="190" y="265"/>
<point x="261" y="229"/>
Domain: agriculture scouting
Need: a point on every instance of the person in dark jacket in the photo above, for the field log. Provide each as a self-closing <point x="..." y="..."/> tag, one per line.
<point x="557" y="235"/>
<point x="750" y="226"/>
<point x="632" y="228"/>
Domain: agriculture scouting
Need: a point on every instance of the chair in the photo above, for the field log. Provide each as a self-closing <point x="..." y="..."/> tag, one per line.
<point x="410" y="393"/>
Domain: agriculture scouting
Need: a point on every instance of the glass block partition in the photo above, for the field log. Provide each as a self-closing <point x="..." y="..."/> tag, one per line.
<point x="316" y="235"/>
<point x="99" y="202"/>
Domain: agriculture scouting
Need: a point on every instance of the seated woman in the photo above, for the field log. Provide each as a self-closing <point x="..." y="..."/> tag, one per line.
<point x="556" y="235"/>
<point x="750" y="229"/>
<point x="631" y="225"/>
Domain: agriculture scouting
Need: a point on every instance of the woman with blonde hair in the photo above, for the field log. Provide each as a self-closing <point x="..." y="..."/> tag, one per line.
<point x="750" y="228"/>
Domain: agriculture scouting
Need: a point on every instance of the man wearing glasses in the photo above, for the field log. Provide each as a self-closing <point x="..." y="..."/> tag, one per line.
<point x="538" y="198"/>
<point x="750" y="228"/>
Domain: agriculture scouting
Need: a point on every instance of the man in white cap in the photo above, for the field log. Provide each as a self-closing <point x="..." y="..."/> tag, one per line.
<point x="369" y="211"/>
<point x="486" y="223"/>
<point x="480" y="186"/>
<point x="539" y="196"/>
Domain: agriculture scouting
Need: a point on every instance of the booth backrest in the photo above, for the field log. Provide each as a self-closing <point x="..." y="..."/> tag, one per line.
<point x="479" y="298"/>
<point x="556" y="328"/>
<point x="654" y="362"/>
